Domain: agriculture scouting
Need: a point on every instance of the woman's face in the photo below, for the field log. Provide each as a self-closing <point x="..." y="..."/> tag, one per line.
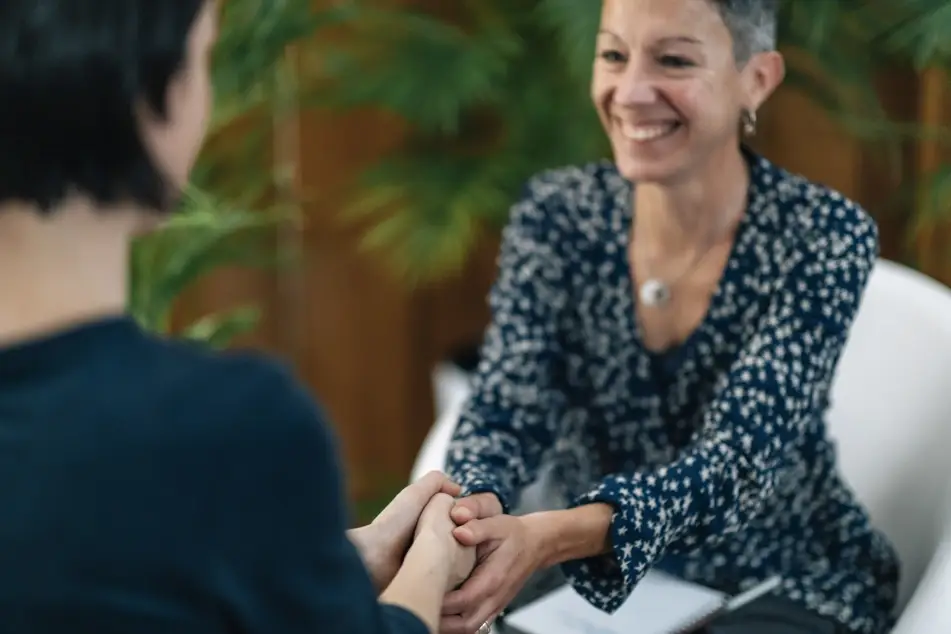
<point x="667" y="87"/>
<point x="176" y="140"/>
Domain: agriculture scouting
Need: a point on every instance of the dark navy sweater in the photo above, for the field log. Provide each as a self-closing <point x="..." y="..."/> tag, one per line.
<point x="150" y="486"/>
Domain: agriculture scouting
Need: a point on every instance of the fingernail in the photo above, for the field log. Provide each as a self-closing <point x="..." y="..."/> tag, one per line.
<point x="463" y="514"/>
<point x="463" y="532"/>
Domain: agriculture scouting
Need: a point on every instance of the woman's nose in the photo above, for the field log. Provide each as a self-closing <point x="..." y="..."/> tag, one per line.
<point x="636" y="88"/>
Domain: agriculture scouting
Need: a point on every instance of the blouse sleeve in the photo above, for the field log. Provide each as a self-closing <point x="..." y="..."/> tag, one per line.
<point x="761" y="406"/>
<point x="509" y="420"/>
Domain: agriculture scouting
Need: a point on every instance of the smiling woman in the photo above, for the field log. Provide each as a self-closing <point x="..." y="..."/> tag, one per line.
<point x="671" y="89"/>
<point x="665" y="331"/>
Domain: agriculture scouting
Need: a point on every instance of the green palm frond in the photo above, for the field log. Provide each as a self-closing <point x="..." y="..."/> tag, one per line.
<point x="220" y="329"/>
<point x="489" y="108"/>
<point x="230" y="214"/>
<point x="251" y="52"/>
<point x="935" y="192"/>
<point x="204" y="237"/>
<point x="461" y="67"/>
<point x="576" y="33"/>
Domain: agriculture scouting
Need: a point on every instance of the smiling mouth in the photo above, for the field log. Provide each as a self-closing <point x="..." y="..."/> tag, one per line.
<point x="651" y="132"/>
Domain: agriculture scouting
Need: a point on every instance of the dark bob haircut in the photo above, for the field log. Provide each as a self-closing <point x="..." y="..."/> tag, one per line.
<point x="72" y="75"/>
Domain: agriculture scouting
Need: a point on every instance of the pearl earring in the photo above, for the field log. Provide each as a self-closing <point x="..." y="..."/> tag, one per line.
<point x="749" y="122"/>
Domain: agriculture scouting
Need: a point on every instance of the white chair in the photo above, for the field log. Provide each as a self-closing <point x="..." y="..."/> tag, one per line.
<point x="891" y="419"/>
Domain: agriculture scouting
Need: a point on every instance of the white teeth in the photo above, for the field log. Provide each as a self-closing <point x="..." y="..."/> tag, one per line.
<point x="647" y="133"/>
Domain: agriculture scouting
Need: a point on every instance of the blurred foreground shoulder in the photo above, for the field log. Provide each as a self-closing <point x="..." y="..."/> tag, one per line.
<point x="244" y="410"/>
<point x="270" y="455"/>
<point x="267" y="403"/>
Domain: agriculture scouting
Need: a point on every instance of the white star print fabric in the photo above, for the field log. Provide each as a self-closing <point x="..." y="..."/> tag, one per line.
<point x="714" y="455"/>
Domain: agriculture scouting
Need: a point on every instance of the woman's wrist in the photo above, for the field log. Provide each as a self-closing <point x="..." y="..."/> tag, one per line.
<point x="422" y="581"/>
<point x="567" y="535"/>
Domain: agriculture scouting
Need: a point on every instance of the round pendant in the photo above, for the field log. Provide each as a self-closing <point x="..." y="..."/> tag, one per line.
<point x="654" y="293"/>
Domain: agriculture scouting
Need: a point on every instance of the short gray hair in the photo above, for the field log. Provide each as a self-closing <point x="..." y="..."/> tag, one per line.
<point x="752" y="23"/>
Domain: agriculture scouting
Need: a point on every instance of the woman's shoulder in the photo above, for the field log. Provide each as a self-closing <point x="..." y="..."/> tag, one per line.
<point x="573" y="187"/>
<point x="573" y="197"/>
<point x="569" y="180"/>
<point x="812" y="216"/>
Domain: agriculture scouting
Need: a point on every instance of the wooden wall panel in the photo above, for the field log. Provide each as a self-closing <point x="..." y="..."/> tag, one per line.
<point x="363" y="351"/>
<point x="933" y="242"/>
<point x="796" y="134"/>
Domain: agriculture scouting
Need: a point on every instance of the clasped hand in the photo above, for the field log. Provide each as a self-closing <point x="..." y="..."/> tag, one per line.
<point x="506" y="555"/>
<point x="421" y="508"/>
<point x="491" y="555"/>
<point x="497" y="558"/>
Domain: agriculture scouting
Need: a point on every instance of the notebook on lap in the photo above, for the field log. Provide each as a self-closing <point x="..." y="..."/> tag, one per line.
<point x="660" y="604"/>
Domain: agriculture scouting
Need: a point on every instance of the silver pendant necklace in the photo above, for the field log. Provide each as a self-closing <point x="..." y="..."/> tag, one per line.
<point x="654" y="292"/>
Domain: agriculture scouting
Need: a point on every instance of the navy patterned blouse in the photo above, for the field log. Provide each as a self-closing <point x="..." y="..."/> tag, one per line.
<point x="715" y="455"/>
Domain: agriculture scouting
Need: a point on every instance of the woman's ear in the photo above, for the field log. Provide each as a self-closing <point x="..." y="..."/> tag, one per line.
<point x="762" y="76"/>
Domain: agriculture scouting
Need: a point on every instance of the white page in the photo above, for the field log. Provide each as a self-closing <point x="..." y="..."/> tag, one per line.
<point x="660" y="604"/>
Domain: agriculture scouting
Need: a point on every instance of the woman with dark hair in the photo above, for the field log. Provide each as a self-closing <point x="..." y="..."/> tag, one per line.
<point x="152" y="485"/>
<point x="665" y="332"/>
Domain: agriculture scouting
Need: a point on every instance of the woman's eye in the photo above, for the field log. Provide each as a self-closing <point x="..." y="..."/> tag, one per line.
<point x="612" y="57"/>
<point x="675" y="61"/>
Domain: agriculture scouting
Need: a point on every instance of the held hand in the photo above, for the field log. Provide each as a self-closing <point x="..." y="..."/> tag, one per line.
<point x="507" y="555"/>
<point x="435" y="525"/>
<point x="383" y="543"/>
<point x="476" y="507"/>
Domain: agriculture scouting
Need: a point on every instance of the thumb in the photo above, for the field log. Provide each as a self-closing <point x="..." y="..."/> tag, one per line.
<point x="477" y="532"/>
<point x="477" y="506"/>
<point x="451" y="488"/>
<point x="418" y="494"/>
<point x="465" y="510"/>
<point x="403" y="511"/>
<point x="431" y="484"/>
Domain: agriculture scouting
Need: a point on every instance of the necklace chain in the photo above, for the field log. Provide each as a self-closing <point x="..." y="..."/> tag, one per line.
<point x="655" y="292"/>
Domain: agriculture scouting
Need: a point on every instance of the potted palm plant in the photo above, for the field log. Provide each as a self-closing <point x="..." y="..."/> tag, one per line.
<point x="241" y="191"/>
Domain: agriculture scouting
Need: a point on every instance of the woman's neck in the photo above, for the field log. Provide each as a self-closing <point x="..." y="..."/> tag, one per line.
<point x="696" y="212"/>
<point x="57" y="271"/>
